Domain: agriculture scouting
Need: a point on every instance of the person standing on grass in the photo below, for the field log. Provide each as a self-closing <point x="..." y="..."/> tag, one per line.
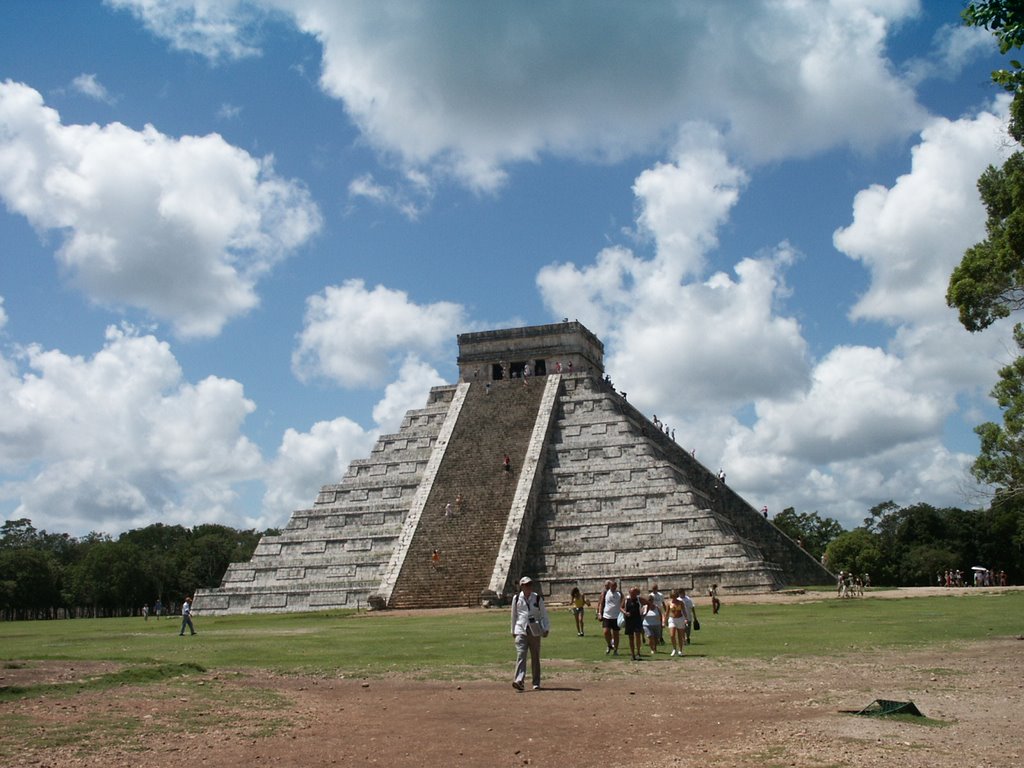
<point x="632" y="608"/>
<point x="660" y="598"/>
<point x="653" y="619"/>
<point x="691" y="613"/>
<point x="675" y="620"/>
<point x="186" y="617"/>
<point x="608" y="609"/>
<point x="529" y="624"/>
<point x="579" y="603"/>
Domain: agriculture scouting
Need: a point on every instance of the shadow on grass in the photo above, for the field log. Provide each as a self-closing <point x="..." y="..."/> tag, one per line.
<point x="129" y="676"/>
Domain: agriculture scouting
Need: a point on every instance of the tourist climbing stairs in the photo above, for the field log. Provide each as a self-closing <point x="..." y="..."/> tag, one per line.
<point x="495" y="420"/>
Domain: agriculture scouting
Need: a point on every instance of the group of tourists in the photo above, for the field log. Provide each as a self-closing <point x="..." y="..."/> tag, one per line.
<point x="850" y="584"/>
<point x="988" y="578"/>
<point x="983" y="577"/>
<point x="522" y="371"/>
<point x="186" y="614"/>
<point x="642" y="618"/>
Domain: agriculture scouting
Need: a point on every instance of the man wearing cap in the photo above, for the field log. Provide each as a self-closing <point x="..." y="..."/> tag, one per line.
<point x="529" y="624"/>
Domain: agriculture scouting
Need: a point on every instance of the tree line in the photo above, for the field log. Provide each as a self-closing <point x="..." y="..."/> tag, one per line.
<point x="912" y="545"/>
<point x="909" y="546"/>
<point x="55" y="575"/>
<point x="48" y="575"/>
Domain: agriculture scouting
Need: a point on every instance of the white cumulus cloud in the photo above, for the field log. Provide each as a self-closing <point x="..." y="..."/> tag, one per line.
<point x="720" y="361"/>
<point x="217" y="29"/>
<point x="120" y="439"/>
<point x="180" y="228"/>
<point x="356" y="337"/>
<point x="911" y="235"/>
<point x="89" y="85"/>
<point x="469" y="88"/>
<point x="405" y="393"/>
<point x="667" y="332"/>
<point x="305" y="461"/>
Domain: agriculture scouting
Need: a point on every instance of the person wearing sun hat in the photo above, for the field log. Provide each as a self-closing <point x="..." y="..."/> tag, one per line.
<point x="529" y="624"/>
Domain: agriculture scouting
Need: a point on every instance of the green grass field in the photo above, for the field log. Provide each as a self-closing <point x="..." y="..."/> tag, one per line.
<point x="466" y="645"/>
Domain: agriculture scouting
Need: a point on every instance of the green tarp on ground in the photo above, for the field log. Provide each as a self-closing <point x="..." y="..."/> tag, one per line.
<point x="883" y="707"/>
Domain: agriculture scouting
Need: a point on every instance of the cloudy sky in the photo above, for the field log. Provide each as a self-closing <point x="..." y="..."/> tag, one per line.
<point x="238" y="238"/>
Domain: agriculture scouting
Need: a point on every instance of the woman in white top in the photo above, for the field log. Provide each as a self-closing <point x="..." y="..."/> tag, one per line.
<point x="652" y="622"/>
<point x="676" y="622"/>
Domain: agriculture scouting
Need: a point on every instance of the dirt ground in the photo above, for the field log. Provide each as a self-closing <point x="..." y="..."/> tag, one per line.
<point x="701" y="712"/>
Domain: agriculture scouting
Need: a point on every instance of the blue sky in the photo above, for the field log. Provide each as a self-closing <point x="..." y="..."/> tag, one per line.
<point x="239" y="238"/>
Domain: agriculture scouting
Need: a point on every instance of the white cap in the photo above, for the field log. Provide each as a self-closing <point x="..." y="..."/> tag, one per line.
<point x="525" y="580"/>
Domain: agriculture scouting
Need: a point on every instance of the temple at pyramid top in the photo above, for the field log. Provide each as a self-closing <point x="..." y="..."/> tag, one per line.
<point x="530" y="464"/>
<point x="564" y="347"/>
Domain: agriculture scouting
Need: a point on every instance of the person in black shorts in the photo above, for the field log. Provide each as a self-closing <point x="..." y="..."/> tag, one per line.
<point x="634" y="626"/>
<point x="608" y="609"/>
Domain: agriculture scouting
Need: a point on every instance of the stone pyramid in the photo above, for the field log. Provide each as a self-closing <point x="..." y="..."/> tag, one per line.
<point x="592" y="490"/>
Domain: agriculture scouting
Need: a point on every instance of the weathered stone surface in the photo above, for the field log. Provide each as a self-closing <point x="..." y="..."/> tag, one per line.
<point x="597" y="492"/>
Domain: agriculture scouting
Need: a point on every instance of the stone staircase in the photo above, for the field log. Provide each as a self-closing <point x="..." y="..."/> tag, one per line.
<point x="596" y="491"/>
<point x="493" y="421"/>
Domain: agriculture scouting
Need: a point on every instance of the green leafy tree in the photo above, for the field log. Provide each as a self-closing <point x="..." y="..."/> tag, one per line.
<point x="15" y="534"/>
<point x="855" y="551"/>
<point x="211" y="548"/>
<point x="923" y="561"/>
<point x="111" y="579"/>
<point x="988" y="284"/>
<point x="810" y="530"/>
<point x="1005" y="20"/>
<point x="1000" y="459"/>
<point x="164" y="552"/>
<point x="42" y="572"/>
<point x="29" y="583"/>
<point x="915" y="543"/>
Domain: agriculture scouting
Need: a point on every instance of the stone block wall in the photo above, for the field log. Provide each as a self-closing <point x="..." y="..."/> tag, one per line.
<point x="606" y="495"/>
<point x="621" y="500"/>
<point x="333" y="554"/>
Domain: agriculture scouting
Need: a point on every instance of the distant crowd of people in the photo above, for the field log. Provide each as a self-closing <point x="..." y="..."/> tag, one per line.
<point x="982" y="577"/>
<point x="852" y="584"/>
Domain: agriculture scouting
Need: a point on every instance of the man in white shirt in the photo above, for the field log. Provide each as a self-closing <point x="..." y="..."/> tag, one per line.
<point x="690" y="612"/>
<point x="186" y="617"/>
<point x="658" y="597"/>
<point x="529" y="624"/>
<point x="608" y="609"/>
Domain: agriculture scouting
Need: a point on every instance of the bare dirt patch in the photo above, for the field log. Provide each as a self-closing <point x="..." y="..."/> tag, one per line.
<point x="668" y="712"/>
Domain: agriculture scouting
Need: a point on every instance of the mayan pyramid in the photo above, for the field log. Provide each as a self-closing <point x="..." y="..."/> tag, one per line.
<point x="593" y="490"/>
